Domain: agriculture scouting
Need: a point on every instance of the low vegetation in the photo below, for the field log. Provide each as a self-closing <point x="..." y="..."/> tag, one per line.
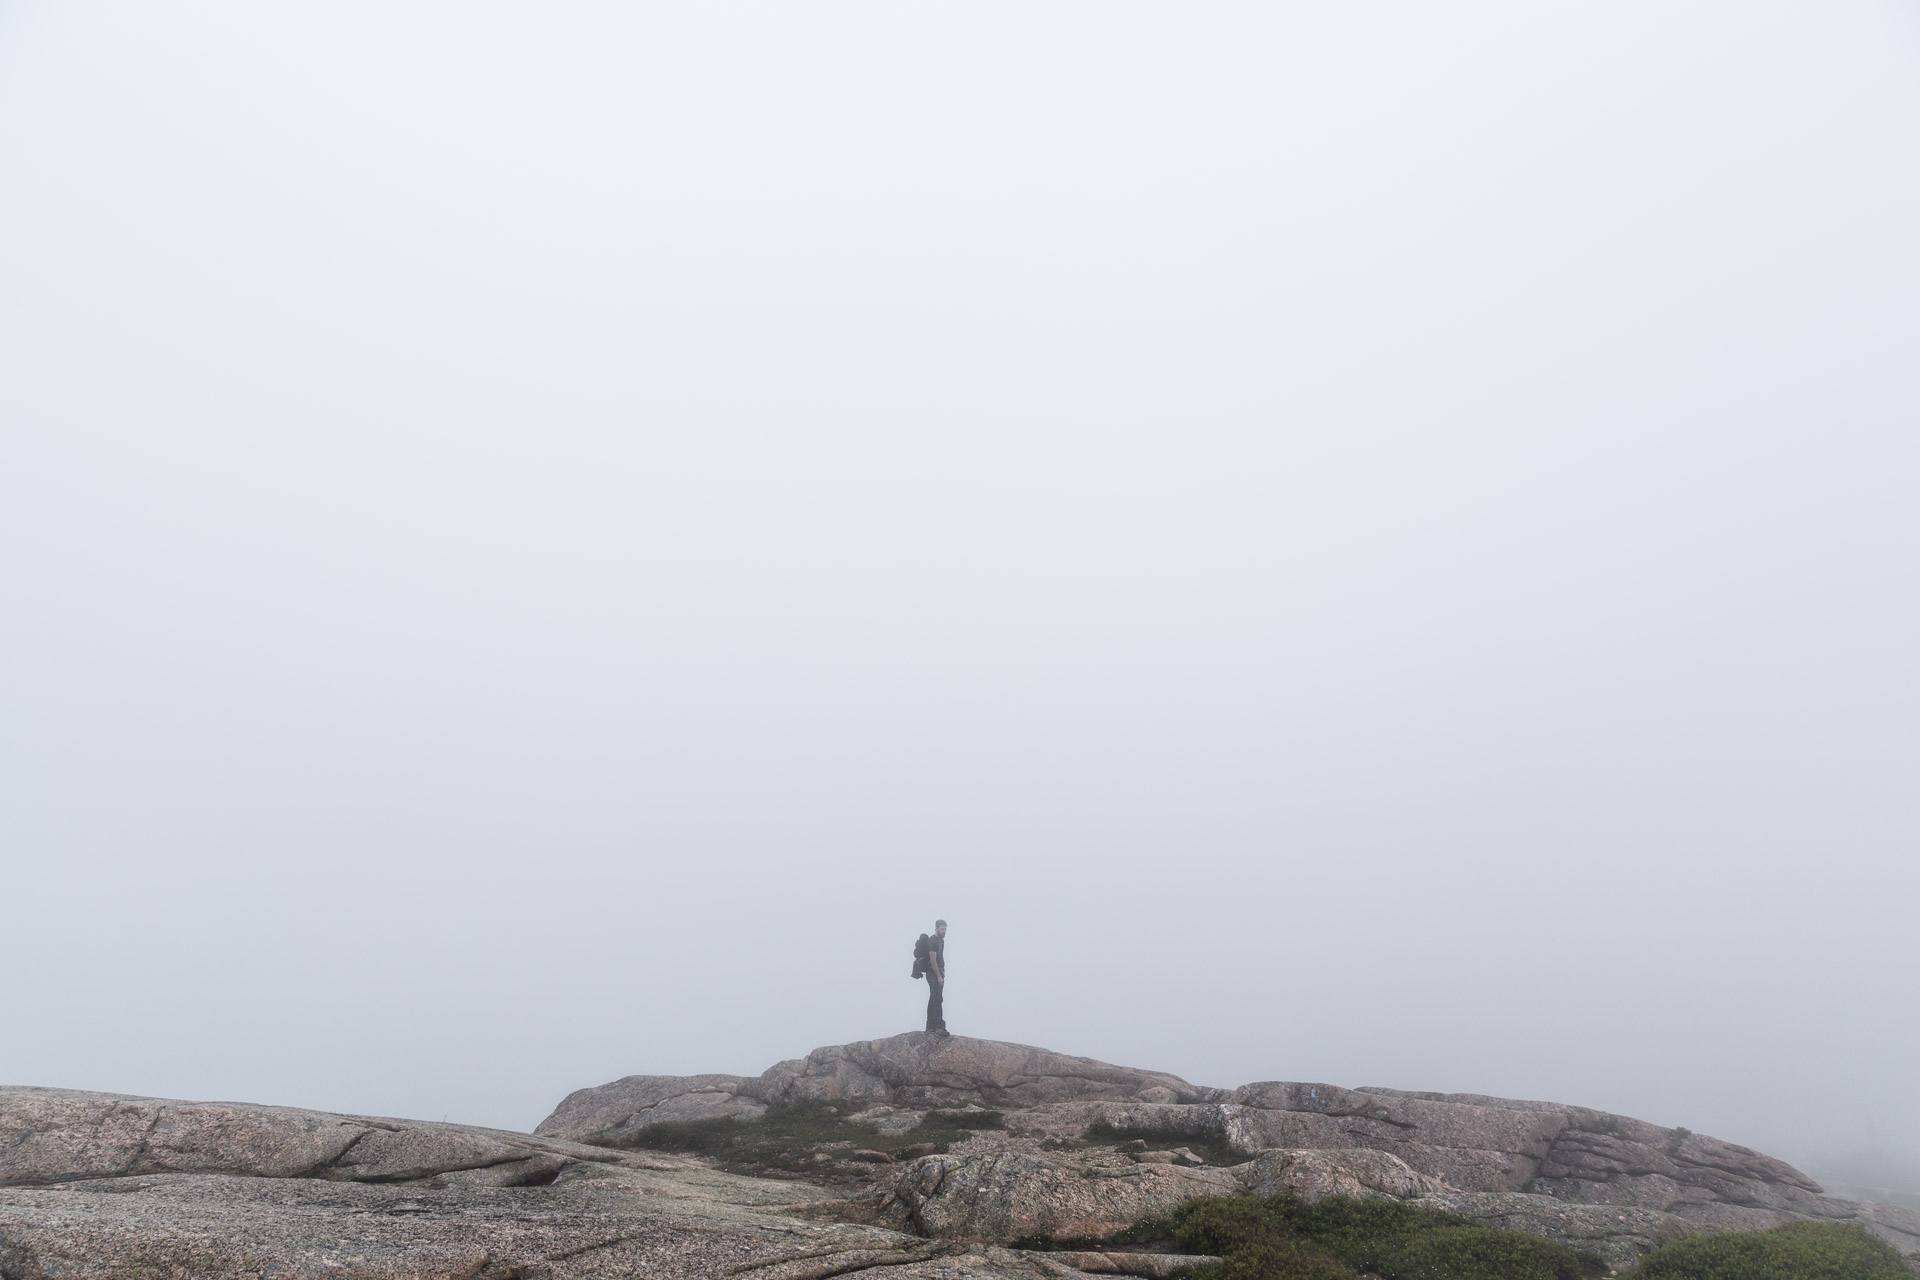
<point x="1284" y="1238"/>
<point x="1209" y="1146"/>
<point x="787" y="1138"/>
<point x="1801" y="1251"/>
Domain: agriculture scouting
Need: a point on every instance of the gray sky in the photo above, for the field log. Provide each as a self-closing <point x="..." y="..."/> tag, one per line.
<point x="1361" y="542"/>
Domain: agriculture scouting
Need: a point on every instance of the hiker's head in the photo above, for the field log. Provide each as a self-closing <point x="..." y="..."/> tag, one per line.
<point x="940" y="928"/>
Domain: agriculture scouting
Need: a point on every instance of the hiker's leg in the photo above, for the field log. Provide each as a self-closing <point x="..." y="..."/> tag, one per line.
<point x="936" y="1021"/>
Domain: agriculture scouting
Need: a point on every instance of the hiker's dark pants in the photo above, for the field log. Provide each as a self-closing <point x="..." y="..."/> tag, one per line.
<point x="936" y="1019"/>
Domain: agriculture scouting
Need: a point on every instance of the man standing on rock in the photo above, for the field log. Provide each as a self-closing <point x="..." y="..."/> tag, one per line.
<point x="936" y="968"/>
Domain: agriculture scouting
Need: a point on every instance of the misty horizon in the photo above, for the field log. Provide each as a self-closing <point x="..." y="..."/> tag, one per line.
<point x="1342" y="543"/>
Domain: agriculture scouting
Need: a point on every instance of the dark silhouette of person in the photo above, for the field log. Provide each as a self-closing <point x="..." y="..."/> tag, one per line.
<point x="937" y="977"/>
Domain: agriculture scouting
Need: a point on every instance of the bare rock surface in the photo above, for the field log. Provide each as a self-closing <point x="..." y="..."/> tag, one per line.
<point x="626" y="1222"/>
<point x="66" y="1135"/>
<point x="689" y="1224"/>
<point x="1011" y="1195"/>
<point x="913" y="1071"/>
<point x="922" y="1070"/>
<point x="1478" y="1143"/>
<point x="1003" y="1190"/>
<point x="1030" y="1143"/>
<point x="1315" y="1175"/>
<point x="100" y="1185"/>
<point x="611" y="1114"/>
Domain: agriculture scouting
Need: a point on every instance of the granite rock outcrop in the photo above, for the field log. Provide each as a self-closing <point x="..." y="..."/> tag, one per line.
<point x="1014" y="1195"/>
<point x="913" y="1070"/>
<point x="104" y="1186"/>
<point x="920" y="1070"/>
<point x="614" y="1114"/>
<point x="50" y="1136"/>
<point x="1611" y="1183"/>
<point x="925" y="1155"/>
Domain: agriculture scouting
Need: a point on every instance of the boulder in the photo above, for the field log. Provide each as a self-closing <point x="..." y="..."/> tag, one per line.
<point x="1009" y="1196"/>
<point x="1314" y="1175"/>
<point x="1005" y="1196"/>
<point x="612" y="1115"/>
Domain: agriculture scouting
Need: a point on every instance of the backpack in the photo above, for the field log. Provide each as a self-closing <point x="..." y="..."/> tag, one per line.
<point x="920" y="956"/>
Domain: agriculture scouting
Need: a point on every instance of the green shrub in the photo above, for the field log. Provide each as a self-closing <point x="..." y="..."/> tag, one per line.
<point x="701" y="1137"/>
<point x="1800" y="1251"/>
<point x="1400" y="1240"/>
<point x="1228" y="1224"/>
<point x="1280" y="1237"/>
<point x="1279" y="1259"/>
<point x="953" y="1120"/>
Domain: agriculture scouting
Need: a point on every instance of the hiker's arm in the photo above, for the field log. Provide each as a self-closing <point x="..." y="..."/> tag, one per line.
<point x="939" y="970"/>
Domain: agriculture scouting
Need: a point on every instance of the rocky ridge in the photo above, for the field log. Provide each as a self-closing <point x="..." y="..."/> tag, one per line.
<point x="97" y="1185"/>
<point x="907" y="1071"/>
<point x="1050" y="1148"/>
<point x="51" y="1136"/>
<point x="1610" y="1183"/>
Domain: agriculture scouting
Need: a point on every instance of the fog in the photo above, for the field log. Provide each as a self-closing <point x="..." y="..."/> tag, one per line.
<point x="1365" y="542"/>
